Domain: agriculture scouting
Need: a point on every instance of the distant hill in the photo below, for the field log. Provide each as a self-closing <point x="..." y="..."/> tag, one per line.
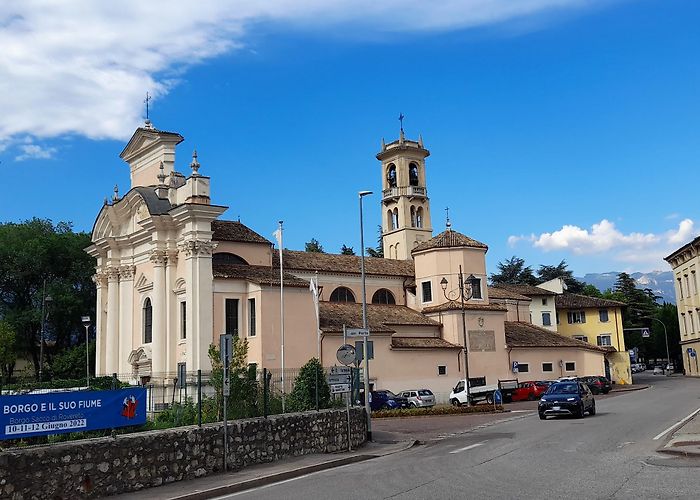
<point x="661" y="282"/>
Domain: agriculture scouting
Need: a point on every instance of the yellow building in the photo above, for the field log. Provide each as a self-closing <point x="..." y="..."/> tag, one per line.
<point x="685" y="263"/>
<point x="598" y="322"/>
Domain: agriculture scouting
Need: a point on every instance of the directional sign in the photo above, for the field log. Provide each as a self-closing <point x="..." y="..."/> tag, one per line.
<point x="645" y="332"/>
<point x="357" y="332"/>
<point x="338" y="379"/>
<point x="340" y="388"/>
<point x="339" y="370"/>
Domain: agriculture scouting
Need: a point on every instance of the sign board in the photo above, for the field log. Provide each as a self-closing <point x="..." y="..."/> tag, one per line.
<point x="340" y="388"/>
<point x="497" y="397"/>
<point x="62" y="412"/>
<point x="359" y="350"/>
<point x="645" y="333"/>
<point x="339" y="370"/>
<point x="338" y="379"/>
<point x="345" y="354"/>
<point x="181" y="375"/>
<point x="515" y="367"/>
<point x="226" y="347"/>
<point x="357" y="332"/>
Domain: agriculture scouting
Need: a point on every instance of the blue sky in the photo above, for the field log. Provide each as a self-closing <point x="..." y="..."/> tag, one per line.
<point x="556" y="128"/>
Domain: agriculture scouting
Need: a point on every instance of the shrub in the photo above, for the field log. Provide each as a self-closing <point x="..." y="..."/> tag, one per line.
<point x="303" y="396"/>
<point x="436" y="410"/>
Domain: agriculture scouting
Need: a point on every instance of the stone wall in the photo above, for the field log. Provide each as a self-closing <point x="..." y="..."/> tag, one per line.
<point x="107" y="466"/>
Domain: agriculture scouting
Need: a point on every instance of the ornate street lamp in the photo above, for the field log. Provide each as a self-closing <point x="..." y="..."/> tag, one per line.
<point x="464" y="292"/>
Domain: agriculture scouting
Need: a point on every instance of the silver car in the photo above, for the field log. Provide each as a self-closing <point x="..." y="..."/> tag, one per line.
<point x="419" y="398"/>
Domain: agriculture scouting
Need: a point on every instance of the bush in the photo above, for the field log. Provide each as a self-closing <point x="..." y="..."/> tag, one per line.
<point x="70" y="363"/>
<point x="303" y="396"/>
<point x="96" y="384"/>
<point x="436" y="410"/>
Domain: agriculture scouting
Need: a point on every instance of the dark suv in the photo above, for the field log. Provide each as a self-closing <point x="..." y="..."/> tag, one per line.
<point x="386" y="400"/>
<point x="566" y="398"/>
<point x="597" y="385"/>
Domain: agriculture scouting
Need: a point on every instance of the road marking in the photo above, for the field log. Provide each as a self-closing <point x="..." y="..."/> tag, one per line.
<point x="663" y="433"/>
<point x="471" y="446"/>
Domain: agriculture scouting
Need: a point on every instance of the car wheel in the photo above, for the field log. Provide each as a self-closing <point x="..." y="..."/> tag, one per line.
<point x="591" y="412"/>
<point x="455" y="402"/>
<point x="412" y="405"/>
<point x="531" y="397"/>
<point x="581" y="412"/>
<point x="543" y="416"/>
<point x="489" y="399"/>
<point x="385" y="407"/>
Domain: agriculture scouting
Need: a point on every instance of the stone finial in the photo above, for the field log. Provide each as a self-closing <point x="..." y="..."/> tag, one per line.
<point x="195" y="164"/>
<point x="402" y="138"/>
<point x="383" y="144"/>
<point x="420" y="140"/>
<point x="161" y="174"/>
<point x="147" y="124"/>
<point x="116" y="193"/>
<point x="106" y="201"/>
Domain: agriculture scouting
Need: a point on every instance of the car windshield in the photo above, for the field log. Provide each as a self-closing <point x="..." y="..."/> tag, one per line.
<point x="425" y="392"/>
<point x="564" y="388"/>
<point x="389" y="394"/>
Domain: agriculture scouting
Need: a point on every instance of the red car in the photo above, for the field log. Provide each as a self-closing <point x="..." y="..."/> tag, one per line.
<point x="529" y="391"/>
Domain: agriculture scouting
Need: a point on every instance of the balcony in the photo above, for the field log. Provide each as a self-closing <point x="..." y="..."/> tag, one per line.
<point x="395" y="192"/>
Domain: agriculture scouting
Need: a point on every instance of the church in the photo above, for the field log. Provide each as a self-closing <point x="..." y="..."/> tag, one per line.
<point x="172" y="274"/>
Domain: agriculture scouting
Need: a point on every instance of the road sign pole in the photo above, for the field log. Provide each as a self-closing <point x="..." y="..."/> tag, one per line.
<point x="225" y="347"/>
<point x="347" y="406"/>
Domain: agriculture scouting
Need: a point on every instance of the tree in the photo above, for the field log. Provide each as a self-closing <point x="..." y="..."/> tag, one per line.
<point x="346" y="250"/>
<point x="303" y="396"/>
<point x="35" y="252"/>
<point x="8" y="354"/>
<point x="513" y="271"/>
<point x="70" y="363"/>
<point x="379" y="251"/>
<point x="546" y="273"/>
<point x="591" y="291"/>
<point x="313" y="246"/>
<point x="244" y="385"/>
<point x="641" y="303"/>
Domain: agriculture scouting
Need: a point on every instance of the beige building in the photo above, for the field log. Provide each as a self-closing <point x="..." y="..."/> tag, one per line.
<point x="172" y="276"/>
<point x="685" y="263"/>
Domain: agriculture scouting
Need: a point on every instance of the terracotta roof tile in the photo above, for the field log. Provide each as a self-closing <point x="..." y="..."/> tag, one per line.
<point x="449" y="239"/>
<point x="529" y="290"/>
<point x="576" y="301"/>
<point x="519" y="334"/>
<point x="380" y="318"/>
<point x="228" y="230"/>
<point x="453" y="305"/>
<point x="262" y="275"/>
<point x="344" y="264"/>
<point x="421" y="343"/>
<point x="496" y="292"/>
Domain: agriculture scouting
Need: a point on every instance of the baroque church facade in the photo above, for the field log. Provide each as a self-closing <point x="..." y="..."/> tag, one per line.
<point x="172" y="275"/>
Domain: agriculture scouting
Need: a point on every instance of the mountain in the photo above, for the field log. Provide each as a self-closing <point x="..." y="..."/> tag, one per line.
<point x="661" y="282"/>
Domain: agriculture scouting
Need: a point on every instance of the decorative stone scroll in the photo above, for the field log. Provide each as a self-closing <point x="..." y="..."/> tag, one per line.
<point x="197" y="247"/>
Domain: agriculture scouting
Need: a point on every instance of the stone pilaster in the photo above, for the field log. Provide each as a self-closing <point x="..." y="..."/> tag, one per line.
<point x="159" y="259"/>
<point x="112" y="339"/>
<point x="172" y="312"/>
<point x="126" y="318"/>
<point x="100" y="279"/>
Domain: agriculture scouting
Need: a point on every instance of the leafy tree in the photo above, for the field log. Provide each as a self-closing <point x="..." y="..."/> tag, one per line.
<point x="561" y="270"/>
<point x="35" y="252"/>
<point x="591" y="291"/>
<point x="243" y="402"/>
<point x="8" y="354"/>
<point x="346" y="250"/>
<point x="513" y="271"/>
<point x="379" y="251"/>
<point x="303" y="396"/>
<point x="70" y="363"/>
<point x="641" y="303"/>
<point x="313" y="246"/>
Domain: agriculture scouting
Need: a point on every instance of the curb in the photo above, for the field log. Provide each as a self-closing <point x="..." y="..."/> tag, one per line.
<point x="631" y="389"/>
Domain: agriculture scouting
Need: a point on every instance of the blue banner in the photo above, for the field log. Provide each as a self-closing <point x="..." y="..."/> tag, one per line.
<point x="60" y="412"/>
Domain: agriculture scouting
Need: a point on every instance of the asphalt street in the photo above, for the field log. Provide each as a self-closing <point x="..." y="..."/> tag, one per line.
<point x="610" y="455"/>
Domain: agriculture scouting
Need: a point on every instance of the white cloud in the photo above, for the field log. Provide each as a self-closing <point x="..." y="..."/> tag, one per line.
<point x="35" y="152"/>
<point x="605" y="239"/>
<point x="83" y="66"/>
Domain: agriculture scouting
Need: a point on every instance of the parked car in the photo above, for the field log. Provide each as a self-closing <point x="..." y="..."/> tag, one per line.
<point x="658" y="370"/>
<point x="422" y="398"/>
<point x="530" y="390"/>
<point x="597" y="385"/>
<point x="566" y="398"/>
<point x="386" y="400"/>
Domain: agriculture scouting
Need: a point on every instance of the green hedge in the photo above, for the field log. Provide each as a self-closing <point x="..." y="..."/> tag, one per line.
<point x="96" y="384"/>
<point x="436" y="410"/>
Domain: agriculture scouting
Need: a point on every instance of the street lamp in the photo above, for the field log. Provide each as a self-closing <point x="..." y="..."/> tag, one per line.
<point x="466" y="292"/>
<point x="86" y="323"/>
<point x="365" y="356"/>
<point x="668" y="354"/>
<point x="45" y="300"/>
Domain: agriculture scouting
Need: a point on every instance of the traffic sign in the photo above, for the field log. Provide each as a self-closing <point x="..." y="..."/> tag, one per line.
<point x="357" y="332"/>
<point x="338" y="379"/>
<point x="645" y="333"/>
<point x="340" y="388"/>
<point x="515" y="367"/>
<point x="339" y="370"/>
<point x="346" y="354"/>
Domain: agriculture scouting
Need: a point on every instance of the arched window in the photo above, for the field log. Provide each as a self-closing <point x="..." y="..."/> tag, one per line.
<point x="390" y="220"/>
<point x="228" y="258"/>
<point x="342" y="294"/>
<point x="413" y="174"/>
<point x="147" y="322"/>
<point x="383" y="296"/>
<point x="419" y="217"/>
<point x="391" y="175"/>
<point x="413" y="216"/>
<point x="395" y="219"/>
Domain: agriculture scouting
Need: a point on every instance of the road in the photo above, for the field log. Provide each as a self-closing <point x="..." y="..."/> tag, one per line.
<point x="609" y="455"/>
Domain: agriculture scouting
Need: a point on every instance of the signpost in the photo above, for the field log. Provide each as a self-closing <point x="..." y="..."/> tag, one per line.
<point x="515" y="367"/>
<point x="339" y="379"/>
<point x="226" y="348"/>
<point x="357" y="332"/>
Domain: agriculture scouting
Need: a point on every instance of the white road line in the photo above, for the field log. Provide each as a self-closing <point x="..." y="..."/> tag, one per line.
<point x="471" y="446"/>
<point x="663" y="433"/>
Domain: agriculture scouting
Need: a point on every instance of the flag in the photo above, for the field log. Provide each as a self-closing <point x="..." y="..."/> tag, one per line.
<point x="278" y="236"/>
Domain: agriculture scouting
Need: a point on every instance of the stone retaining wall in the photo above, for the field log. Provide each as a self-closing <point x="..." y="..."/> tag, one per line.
<point x="105" y="466"/>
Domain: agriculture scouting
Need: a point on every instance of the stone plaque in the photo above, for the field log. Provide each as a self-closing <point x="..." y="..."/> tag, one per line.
<point x="482" y="340"/>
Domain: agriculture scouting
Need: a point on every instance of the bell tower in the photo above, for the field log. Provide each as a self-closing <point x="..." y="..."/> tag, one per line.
<point x="405" y="204"/>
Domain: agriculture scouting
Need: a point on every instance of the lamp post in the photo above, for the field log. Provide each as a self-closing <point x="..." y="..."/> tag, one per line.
<point x="365" y="355"/>
<point x="668" y="353"/>
<point x="465" y="293"/>
<point x="86" y="323"/>
<point x="45" y="299"/>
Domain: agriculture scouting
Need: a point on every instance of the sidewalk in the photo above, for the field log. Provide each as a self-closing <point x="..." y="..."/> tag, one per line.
<point x="263" y="474"/>
<point x="685" y="440"/>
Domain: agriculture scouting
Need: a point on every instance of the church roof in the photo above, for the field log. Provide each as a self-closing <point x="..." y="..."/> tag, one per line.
<point x="343" y="264"/>
<point x="381" y="318"/>
<point x="576" y="301"/>
<point x="520" y="334"/>
<point x="496" y="292"/>
<point x="422" y="343"/>
<point x="529" y="290"/>
<point x="155" y="205"/>
<point x="454" y="305"/>
<point x="148" y="131"/>
<point x="228" y="230"/>
<point x="260" y="275"/>
<point x="449" y="239"/>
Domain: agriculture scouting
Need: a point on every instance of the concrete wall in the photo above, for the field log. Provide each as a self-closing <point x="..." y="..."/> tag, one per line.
<point x="107" y="466"/>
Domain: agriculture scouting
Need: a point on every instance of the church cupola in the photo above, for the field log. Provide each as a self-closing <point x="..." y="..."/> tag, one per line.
<point x="405" y="204"/>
